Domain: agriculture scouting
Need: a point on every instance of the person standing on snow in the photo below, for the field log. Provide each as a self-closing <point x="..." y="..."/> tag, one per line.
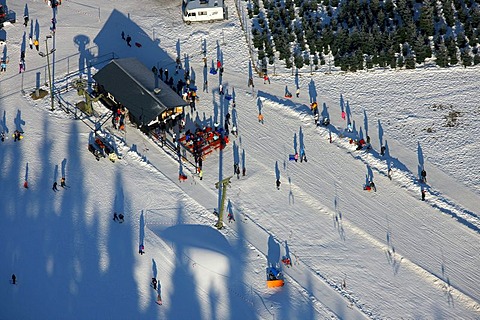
<point x="303" y="157"/>
<point x="3" y="66"/>
<point x="278" y="184"/>
<point x="128" y="39"/>
<point x="424" y="175"/>
<point x="234" y="130"/>
<point x="14" y="279"/>
<point x="260" y="118"/>
<point x="54" y="188"/>
<point x="297" y="93"/>
<point x="382" y="151"/>
<point x="21" y="66"/>
<point x="266" y="79"/>
<point x="62" y="182"/>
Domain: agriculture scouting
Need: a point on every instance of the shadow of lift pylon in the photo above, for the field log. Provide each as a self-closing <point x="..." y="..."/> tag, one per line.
<point x="225" y="183"/>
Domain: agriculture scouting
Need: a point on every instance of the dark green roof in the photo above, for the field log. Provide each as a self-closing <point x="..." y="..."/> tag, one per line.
<point x="134" y="85"/>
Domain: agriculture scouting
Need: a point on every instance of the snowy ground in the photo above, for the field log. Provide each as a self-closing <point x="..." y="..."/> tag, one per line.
<point x="383" y="255"/>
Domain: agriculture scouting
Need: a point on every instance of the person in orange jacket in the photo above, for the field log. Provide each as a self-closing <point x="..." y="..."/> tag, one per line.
<point x="260" y="117"/>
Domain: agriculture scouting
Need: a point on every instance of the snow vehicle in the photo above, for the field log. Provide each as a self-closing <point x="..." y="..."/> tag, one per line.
<point x="274" y="278"/>
<point x="204" y="10"/>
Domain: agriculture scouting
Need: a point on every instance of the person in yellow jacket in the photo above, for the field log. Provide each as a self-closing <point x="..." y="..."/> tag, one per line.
<point x="200" y="174"/>
<point x="36" y="44"/>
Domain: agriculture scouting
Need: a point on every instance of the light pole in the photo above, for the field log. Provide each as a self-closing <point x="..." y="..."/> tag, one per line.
<point x="47" y="54"/>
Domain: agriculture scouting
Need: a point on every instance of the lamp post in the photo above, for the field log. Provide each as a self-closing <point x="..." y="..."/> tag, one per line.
<point x="47" y="54"/>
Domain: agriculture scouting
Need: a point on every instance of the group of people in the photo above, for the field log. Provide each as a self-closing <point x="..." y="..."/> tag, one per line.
<point x="118" y="118"/>
<point x="119" y="218"/>
<point x="62" y="184"/>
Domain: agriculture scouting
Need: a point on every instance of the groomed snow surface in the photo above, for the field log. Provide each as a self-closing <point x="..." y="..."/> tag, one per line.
<point x="355" y="254"/>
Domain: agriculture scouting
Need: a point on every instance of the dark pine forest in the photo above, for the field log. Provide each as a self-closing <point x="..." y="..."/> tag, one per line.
<point x="364" y="34"/>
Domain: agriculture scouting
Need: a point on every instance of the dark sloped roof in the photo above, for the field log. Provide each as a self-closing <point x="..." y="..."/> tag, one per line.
<point x="133" y="84"/>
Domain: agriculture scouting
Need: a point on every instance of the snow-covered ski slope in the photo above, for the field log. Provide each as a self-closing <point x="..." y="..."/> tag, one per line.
<point x="383" y="255"/>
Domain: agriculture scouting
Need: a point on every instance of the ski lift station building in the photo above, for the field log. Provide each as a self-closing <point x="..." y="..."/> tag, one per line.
<point x="204" y="10"/>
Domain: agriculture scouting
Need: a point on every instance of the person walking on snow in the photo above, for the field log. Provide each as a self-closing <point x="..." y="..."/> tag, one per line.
<point x="278" y="184"/>
<point x="62" y="182"/>
<point x="128" y="39"/>
<point x="120" y="218"/>
<point x="141" y="249"/>
<point x="154" y="283"/>
<point x="14" y="279"/>
<point x="30" y="42"/>
<point x="297" y="93"/>
<point x="115" y="216"/>
<point x="423" y="194"/>
<point x="54" y="188"/>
